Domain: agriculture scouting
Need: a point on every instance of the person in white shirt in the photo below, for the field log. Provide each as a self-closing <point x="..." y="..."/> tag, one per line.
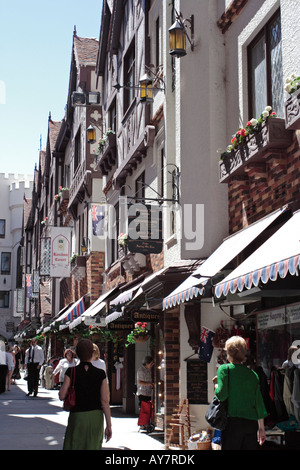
<point x="34" y="359"/>
<point x="69" y="360"/>
<point x="96" y="361"/>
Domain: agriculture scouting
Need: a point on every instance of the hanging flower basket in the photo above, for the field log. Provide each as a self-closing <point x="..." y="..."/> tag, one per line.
<point x="141" y="339"/>
<point x="140" y="334"/>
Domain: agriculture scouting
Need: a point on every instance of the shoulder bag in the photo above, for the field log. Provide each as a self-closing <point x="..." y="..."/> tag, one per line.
<point x="216" y="415"/>
<point x="70" y="399"/>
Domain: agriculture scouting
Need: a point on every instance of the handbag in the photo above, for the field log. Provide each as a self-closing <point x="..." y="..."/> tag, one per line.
<point x="216" y="415"/>
<point x="70" y="399"/>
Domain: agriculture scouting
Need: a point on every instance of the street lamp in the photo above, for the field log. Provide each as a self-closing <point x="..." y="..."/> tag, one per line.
<point x="91" y="134"/>
<point x="178" y="35"/>
<point x="146" y="88"/>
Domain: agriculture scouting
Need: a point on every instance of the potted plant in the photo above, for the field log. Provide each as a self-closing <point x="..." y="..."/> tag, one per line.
<point x="140" y="334"/>
<point x="292" y="104"/>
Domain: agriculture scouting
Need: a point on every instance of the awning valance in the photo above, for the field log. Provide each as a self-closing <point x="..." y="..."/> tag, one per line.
<point x="125" y="296"/>
<point x="98" y="306"/>
<point x="231" y="247"/>
<point x="278" y="256"/>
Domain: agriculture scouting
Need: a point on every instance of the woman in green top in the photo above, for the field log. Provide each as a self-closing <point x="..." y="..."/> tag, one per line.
<point x="246" y="408"/>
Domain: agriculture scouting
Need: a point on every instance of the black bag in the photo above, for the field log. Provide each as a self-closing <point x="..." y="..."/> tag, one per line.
<point x="216" y="415"/>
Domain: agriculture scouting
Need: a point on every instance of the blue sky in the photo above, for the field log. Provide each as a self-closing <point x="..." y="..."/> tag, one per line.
<point x="35" y="56"/>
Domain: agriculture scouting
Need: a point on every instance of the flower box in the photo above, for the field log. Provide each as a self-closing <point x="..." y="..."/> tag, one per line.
<point x="272" y="136"/>
<point x="78" y="267"/>
<point x="292" y="111"/>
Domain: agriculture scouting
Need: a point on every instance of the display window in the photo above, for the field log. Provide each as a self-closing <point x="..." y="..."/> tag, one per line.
<point x="277" y="330"/>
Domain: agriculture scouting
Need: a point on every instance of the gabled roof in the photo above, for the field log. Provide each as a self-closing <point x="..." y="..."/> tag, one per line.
<point x="85" y="50"/>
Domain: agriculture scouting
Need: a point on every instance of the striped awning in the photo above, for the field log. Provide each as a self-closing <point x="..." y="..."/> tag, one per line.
<point x="97" y="307"/>
<point x="274" y="259"/>
<point x="231" y="247"/>
<point x="74" y="311"/>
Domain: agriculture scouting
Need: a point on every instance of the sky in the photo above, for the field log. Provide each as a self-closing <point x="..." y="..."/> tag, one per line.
<point x="36" y="39"/>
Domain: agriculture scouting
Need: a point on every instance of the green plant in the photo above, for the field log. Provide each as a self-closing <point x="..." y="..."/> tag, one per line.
<point x="101" y="142"/>
<point x="253" y="126"/>
<point x="292" y="84"/>
<point x="140" y="331"/>
<point x="73" y="257"/>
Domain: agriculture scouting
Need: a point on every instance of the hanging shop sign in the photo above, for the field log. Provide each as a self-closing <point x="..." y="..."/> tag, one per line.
<point x="145" y="228"/>
<point x="121" y="325"/>
<point x="148" y="316"/>
<point x="60" y="251"/>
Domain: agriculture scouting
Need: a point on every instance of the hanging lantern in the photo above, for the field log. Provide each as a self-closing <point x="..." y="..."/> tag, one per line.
<point x="91" y="134"/>
<point x="146" y="89"/>
<point x="177" y="38"/>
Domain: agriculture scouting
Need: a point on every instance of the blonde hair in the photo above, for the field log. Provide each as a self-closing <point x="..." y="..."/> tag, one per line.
<point x="236" y="348"/>
<point x="96" y="351"/>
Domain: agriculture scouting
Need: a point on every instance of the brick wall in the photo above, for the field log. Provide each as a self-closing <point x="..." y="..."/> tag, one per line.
<point x="172" y="361"/>
<point x="265" y="188"/>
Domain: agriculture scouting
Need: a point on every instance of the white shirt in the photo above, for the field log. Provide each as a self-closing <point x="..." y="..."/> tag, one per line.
<point x="37" y="353"/>
<point x="62" y="367"/>
<point x="100" y="364"/>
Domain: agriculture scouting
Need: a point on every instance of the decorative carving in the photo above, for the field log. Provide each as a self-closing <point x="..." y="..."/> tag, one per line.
<point x="292" y="111"/>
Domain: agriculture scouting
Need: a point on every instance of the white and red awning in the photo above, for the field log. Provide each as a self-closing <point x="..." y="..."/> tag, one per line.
<point x="274" y="259"/>
<point x="232" y="246"/>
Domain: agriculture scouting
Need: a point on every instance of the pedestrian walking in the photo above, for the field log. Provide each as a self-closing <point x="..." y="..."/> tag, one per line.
<point x="85" y="429"/>
<point x="96" y="361"/>
<point x="10" y="361"/>
<point x="34" y="359"/>
<point x="16" y="372"/>
<point x="69" y="360"/>
<point x="246" y="409"/>
<point x="144" y="380"/>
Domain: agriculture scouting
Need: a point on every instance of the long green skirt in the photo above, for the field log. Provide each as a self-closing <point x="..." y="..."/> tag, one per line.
<point x="84" y="431"/>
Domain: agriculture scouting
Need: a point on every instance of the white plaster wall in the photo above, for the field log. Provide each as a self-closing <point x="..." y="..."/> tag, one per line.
<point x="12" y="191"/>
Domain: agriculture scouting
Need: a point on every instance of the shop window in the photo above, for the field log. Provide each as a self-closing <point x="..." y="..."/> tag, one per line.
<point x="265" y="70"/>
<point x="277" y="330"/>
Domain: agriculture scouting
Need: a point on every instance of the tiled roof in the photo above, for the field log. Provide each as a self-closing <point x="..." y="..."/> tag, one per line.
<point x="53" y="129"/>
<point x="86" y="50"/>
<point x="230" y="15"/>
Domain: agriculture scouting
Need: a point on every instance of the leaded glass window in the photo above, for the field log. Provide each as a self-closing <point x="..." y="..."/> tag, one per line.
<point x="265" y="70"/>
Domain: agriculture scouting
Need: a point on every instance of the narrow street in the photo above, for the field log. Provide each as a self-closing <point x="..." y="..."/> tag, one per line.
<point x="38" y="423"/>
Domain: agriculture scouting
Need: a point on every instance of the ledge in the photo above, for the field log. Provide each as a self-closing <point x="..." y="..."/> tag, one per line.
<point x="273" y="138"/>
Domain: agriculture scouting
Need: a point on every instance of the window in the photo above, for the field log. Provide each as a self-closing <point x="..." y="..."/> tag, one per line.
<point x="2" y="228"/>
<point x="5" y="263"/>
<point x="265" y="70"/>
<point x="112" y="117"/>
<point x="77" y="152"/>
<point x="4" y="299"/>
<point x="129" y="77"/>
<point x="115" y="233"/>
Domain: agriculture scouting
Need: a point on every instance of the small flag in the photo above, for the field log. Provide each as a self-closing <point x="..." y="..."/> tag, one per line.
<point x="98" y="219"/>
<point x="206" y="347"/>
<point x="28" y="286"/>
